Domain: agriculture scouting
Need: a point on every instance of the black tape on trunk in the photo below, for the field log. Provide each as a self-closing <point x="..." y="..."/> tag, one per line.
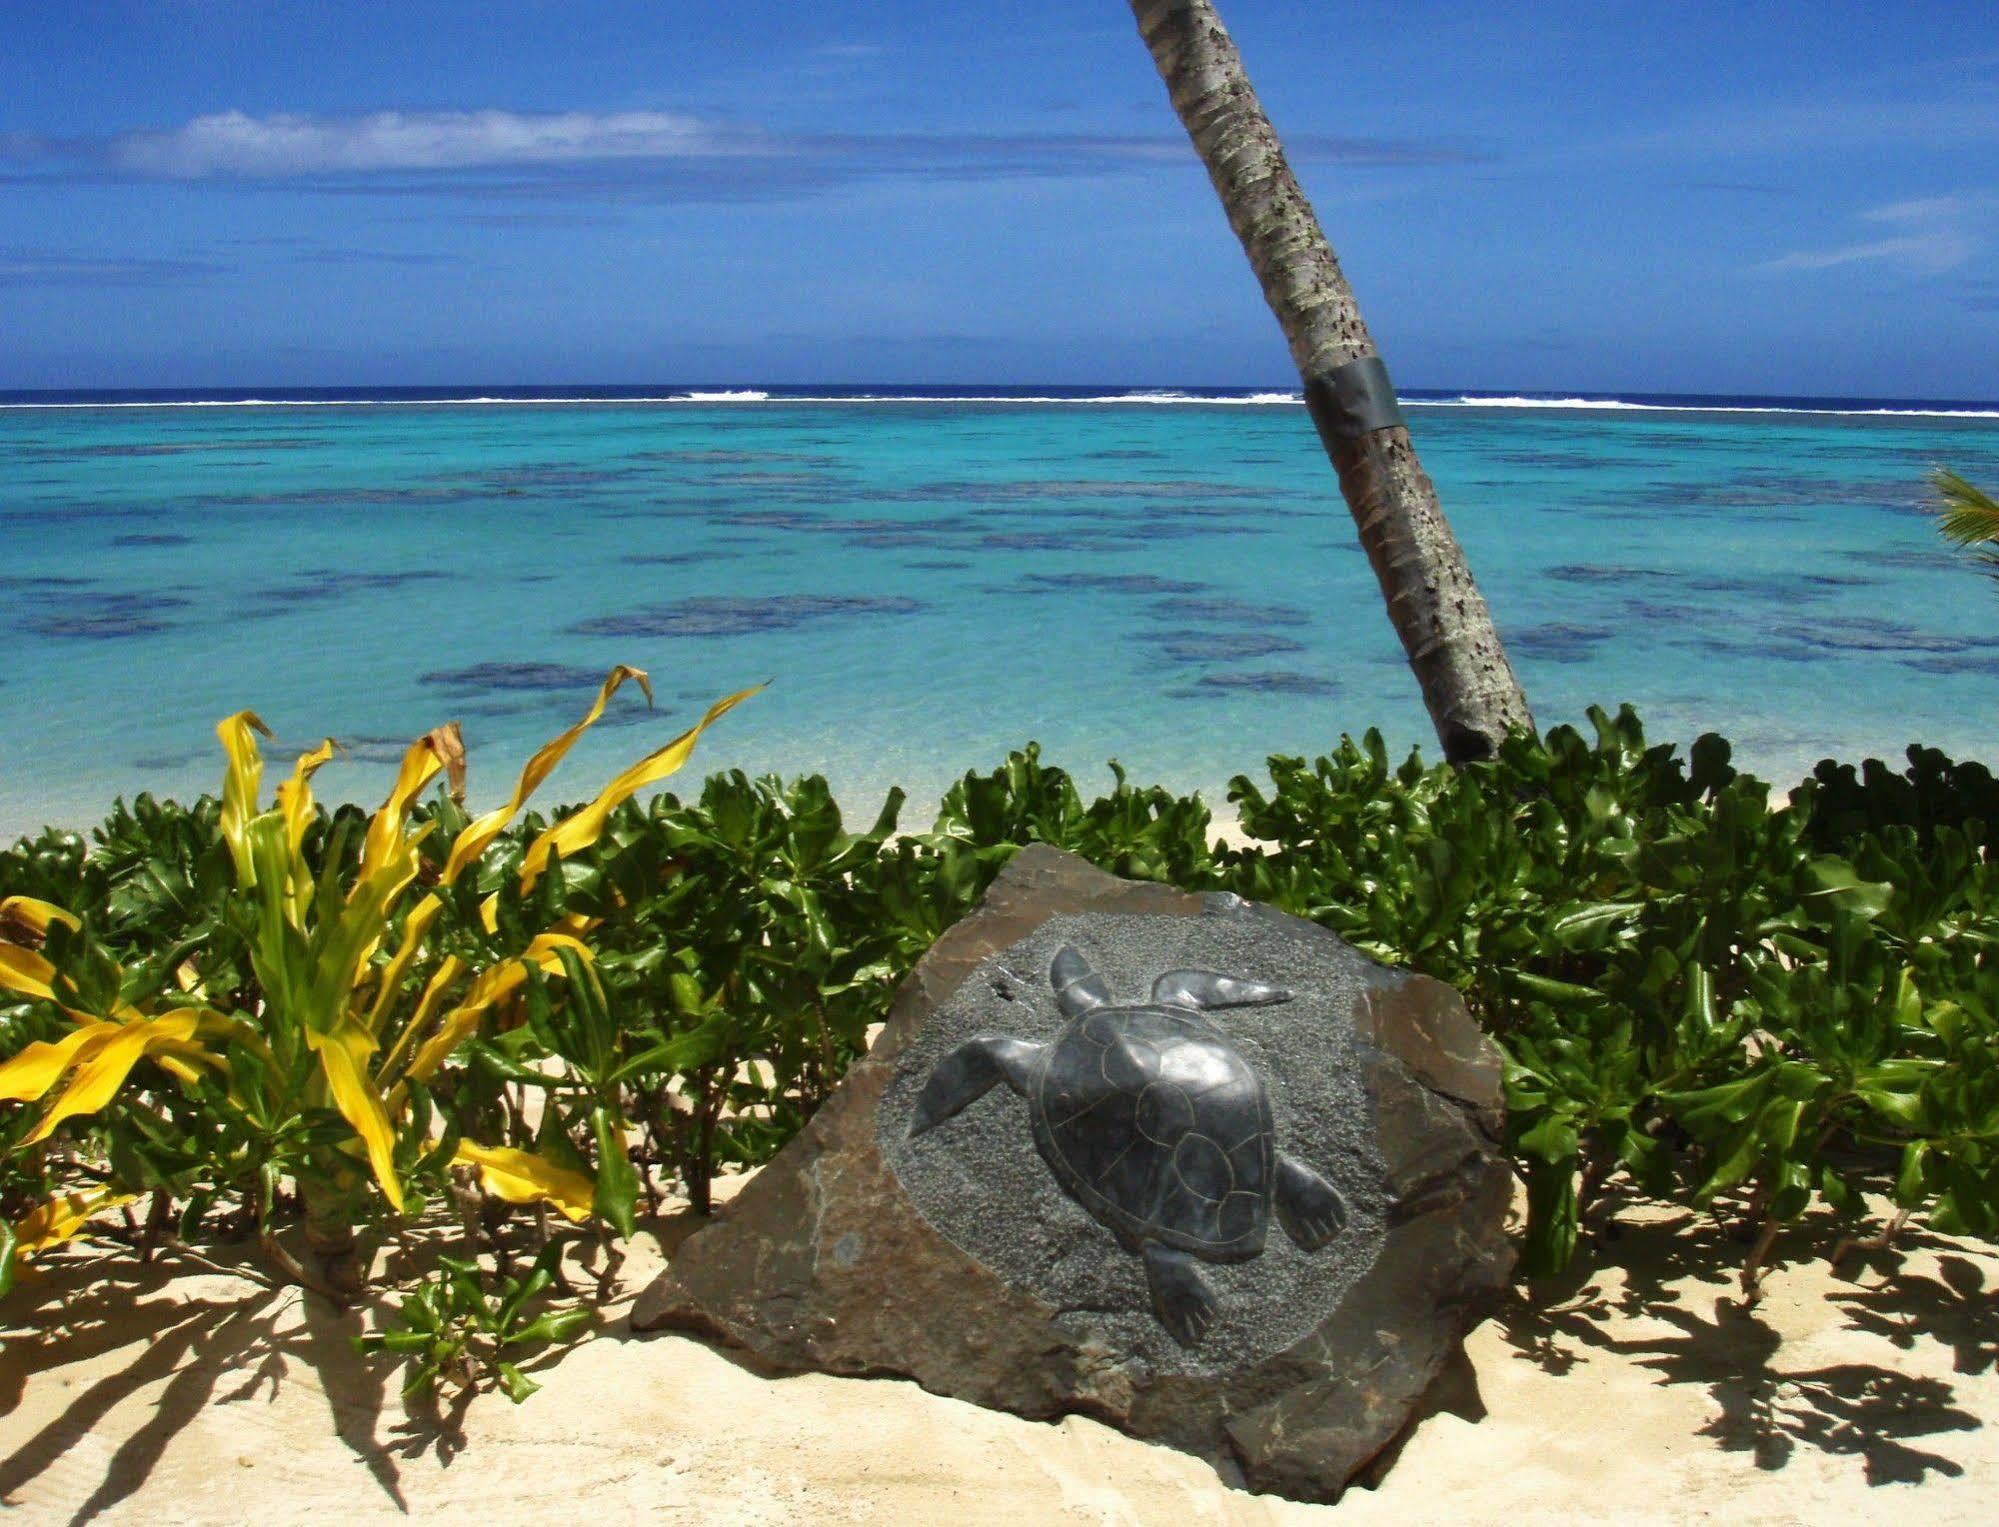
<point x="1352" y="400"/>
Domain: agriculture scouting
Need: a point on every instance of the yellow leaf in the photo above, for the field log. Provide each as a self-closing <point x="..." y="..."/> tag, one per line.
<point x="183" y="1059"/>
<point x="41" y="1065"/>
<point x="294" y="798"/>
<point x="415" y="929"/>
<point x="239" y="785"/>
<point x="54" y="1222"/>
<point x="520" y="1178"/>
<point x="479" y="835"/>
<point x="490" y="987"/>
<point x="26" y="972"/>
<point x="101" y="1069"/>
<point x="34" y="915"/>
<point x="385" y="832"/>
<point x="582" y="829"/>
<point x="343" y="1056"/>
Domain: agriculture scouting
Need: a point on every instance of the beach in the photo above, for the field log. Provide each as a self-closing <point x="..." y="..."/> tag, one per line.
<point x="1639" y="1391"/>
<point x="1264" y="798"/>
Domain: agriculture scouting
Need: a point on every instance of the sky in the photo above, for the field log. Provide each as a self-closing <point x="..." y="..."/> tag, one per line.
<point x="1749" y="197"/>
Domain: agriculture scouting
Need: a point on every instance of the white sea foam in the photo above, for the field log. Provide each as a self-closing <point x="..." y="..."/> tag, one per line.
<point x="1623" y="405"/>
<point x="1161" y="398"/>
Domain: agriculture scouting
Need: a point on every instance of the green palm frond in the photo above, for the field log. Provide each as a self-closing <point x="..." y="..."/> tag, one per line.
<point x="1967" y="516"/>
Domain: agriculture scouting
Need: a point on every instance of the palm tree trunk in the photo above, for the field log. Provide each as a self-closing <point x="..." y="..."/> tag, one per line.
<point x="1437" y="610"/>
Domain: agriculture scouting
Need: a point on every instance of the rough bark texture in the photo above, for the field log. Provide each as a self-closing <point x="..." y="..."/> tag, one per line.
<point x="956" y="1259"/>
<point x="1447" y="631"/>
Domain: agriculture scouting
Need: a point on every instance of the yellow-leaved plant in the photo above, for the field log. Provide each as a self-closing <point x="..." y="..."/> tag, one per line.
<point x="321" y="1063"/>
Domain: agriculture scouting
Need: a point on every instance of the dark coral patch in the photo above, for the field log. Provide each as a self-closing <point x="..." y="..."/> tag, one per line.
<point x="682" y="558"/>
<point x="96" y="628"/>
<point x="320" y="585"/>
<point x="1558" y="642"/>
<point x="734" y="458"/>
<point x="997" y="492"/>
<point x="1597" y="572"/>
<point x="366" y="750"/>
<point x="1203" y="647"/>
<point x="1274" y="681"/>
<point x="152" y="540"/>
<point x="1951" y="663"/>
<point x="1105" y="583"/>
<point x="1043" y="540"/>
<point x="486" y="678"/>
<point x="1230" y="612"/>
<point x="1860" y="633"/>
<point x="78" y="616"/>
<point x="42" y="583"/>
<point x="723" y="615"/>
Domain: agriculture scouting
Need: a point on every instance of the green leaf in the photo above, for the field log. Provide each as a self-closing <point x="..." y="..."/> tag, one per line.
<point x="1587" y="923"/>
<point x="517" y="1385"/>
<point x="1548" y="989"/>
<point x="1912" y="1182"/>
<point x="1550" y="1139"/>
<point x="1551" y="1217"/>
<point x="556" y="1326"/>
<point x="1834" y="881"/>
<point x="617" y="1179"/>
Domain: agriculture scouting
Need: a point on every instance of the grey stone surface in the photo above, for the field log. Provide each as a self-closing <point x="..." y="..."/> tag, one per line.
<point x="980" y="1181"/>
<point x="957" y="1259"/>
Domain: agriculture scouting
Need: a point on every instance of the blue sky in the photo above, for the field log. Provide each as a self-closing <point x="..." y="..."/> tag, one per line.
<point x="1749" y="197"/>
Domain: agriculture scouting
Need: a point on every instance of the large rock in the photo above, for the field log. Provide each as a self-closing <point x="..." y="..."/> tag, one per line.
<point x="958" y="1258"/>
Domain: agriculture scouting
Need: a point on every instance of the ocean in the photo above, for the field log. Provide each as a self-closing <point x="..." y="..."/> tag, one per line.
<point x="932" y="576"/>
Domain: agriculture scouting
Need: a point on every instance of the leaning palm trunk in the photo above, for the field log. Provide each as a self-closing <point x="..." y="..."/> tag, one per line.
<point x="1467" y="682"/>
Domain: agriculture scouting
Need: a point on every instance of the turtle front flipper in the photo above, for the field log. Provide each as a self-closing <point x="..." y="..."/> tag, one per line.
<point x="1203" y="988"/>
<point x="1180" y="1295"/>
<point x="1078" y="988"/>
<point x="1308" y="1207"/>
<point x="968" y="1073"/>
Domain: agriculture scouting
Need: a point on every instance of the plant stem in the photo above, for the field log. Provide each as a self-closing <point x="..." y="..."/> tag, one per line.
<point x="1752" y="1268"/>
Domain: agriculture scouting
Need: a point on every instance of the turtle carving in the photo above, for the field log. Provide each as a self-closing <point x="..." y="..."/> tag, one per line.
<point x="1154" y="1122"/>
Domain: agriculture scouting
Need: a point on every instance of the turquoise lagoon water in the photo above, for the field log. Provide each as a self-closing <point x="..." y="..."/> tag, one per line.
<point x="930" y="583"/>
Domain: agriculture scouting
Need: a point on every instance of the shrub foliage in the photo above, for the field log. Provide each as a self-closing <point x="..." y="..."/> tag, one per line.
<point x="229" y="1018"/>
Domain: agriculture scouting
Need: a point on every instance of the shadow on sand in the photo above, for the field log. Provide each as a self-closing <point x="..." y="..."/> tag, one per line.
<point x="215" y="1350"/>
<point x="1636" y="1302"/>
<point x="1660" y="1295"/>
<point x="215" y="1342"/>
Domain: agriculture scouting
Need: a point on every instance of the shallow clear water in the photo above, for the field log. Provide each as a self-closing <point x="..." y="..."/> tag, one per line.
<point x="930" y="584"/>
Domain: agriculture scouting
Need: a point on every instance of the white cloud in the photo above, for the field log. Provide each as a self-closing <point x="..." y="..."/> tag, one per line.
<point x="1940" y="233"/>
<point x="1929" y="254"/>
<point x="235" y="143"/>
<point x="1923" y="209"/>
<point x="649" y="154"/>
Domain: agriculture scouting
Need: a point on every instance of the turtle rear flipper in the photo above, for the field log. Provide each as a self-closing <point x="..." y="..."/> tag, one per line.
<point x="1204" y="989"/>
<point x="1180" y="1295"/>
<point x="1308" y="1207"/>
<point x="968" y="1073"/>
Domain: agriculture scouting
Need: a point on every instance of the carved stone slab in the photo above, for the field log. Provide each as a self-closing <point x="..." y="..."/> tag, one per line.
<point x="1182" y="1163"/>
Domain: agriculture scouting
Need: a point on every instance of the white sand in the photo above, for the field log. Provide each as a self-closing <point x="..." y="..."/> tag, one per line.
<point x="1640" y="1395"/>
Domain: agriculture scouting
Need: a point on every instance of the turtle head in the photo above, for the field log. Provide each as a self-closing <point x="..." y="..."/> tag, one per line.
<point x="1204" y="989"/>
<point x="1078" y="988"/>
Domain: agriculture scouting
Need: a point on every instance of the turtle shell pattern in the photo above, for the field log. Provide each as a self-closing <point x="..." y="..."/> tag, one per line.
<point x="1156" y="1125"/>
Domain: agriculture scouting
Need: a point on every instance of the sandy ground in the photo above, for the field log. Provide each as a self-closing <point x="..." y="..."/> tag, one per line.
<point x="1639" y="1392"/>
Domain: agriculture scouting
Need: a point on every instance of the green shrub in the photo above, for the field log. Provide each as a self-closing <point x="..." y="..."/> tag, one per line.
<point x="1746" y="1005"/>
